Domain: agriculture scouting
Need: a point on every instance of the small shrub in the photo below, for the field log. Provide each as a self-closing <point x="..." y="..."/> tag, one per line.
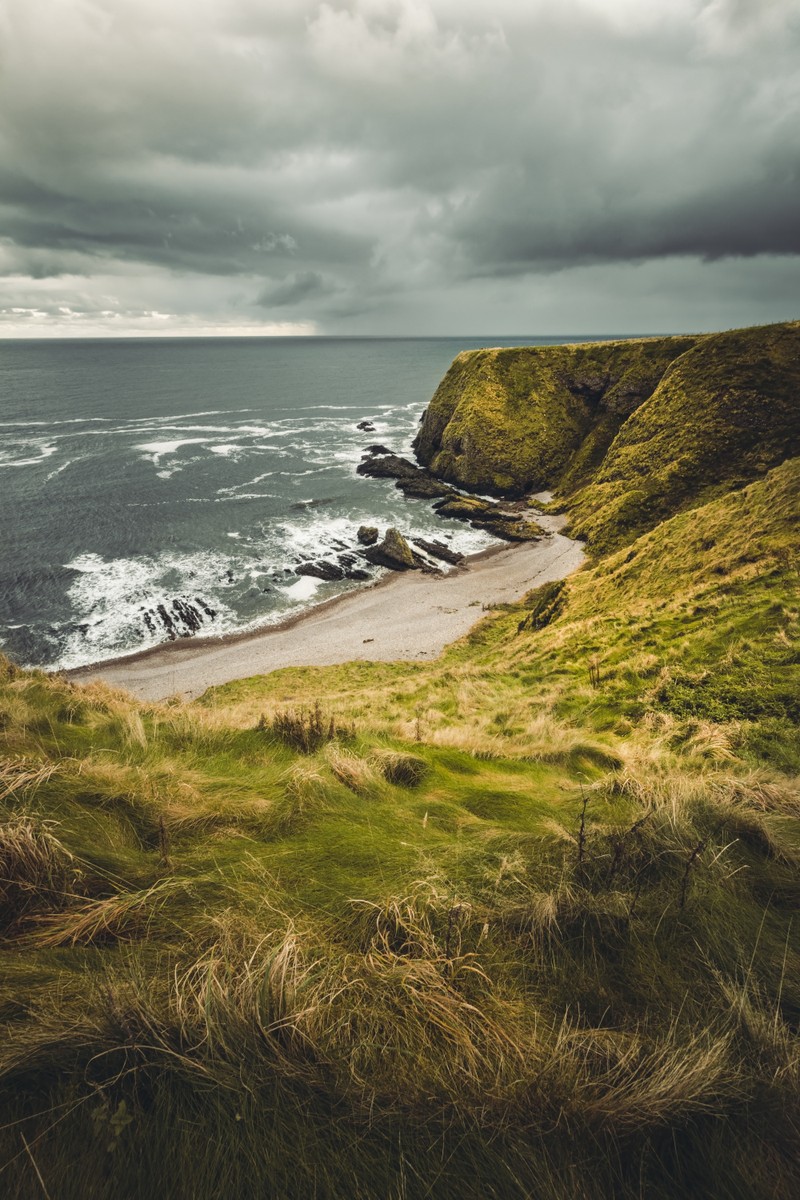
<point x="305" y="730"/>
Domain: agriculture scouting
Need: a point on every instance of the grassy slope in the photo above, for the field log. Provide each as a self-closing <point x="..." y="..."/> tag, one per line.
<point x="629" y="432"/>
<point x="234" y="969"/>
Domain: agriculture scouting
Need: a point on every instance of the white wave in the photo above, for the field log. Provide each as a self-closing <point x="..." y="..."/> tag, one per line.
<point x="228" y="450"/>
<point x="231" y="491"/>
<point x="304" y="589"/>
<point x="109" y="598"/>
<point x="58" y="470"/>
<point x="50" y="424"/>
<point x="42" y="452"/>
<point x="159" y="449"/>
<point x="204" y="412"/>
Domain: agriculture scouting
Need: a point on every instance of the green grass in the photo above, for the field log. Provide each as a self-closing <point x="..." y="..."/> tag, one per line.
<point x="519" y="922"/>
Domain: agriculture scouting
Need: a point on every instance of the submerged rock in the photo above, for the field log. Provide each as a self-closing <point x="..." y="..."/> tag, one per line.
<point x="366" y="426"/>
<point x="321" y="570"/>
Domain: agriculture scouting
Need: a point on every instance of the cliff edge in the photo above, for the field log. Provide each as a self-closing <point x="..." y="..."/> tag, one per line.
<point x="626" y="433"/>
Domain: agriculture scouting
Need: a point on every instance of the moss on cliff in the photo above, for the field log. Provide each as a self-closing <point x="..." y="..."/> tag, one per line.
<point x="726" y="412"/>
<point x="626" y="432"/>
<point x="507" y="421"/>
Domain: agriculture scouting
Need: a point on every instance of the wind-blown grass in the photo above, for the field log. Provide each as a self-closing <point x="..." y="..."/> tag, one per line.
<point x="506" y="927"/>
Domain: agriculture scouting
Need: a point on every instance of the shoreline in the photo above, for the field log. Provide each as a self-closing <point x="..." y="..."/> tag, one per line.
<point x="404" y="616"/>
<point x="210" y="641"/>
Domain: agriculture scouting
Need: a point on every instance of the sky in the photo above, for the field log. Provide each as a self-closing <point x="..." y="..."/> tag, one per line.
<point x="401" y="167"/>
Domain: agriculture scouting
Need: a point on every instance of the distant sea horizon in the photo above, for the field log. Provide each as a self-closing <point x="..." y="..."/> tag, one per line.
<point x="158" y="487"/>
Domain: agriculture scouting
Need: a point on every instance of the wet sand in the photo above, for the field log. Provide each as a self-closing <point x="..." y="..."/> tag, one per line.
<point x="405" y="616"/>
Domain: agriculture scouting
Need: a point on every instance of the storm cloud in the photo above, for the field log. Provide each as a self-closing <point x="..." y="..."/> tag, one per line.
<point x="398" y="166"/>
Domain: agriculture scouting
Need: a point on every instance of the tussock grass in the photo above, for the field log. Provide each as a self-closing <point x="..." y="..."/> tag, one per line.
<point x="20" y="776"/>
<point x="123" y="915"/>
<point x="401" y="768"/>
<point x="305" y="794"/>
<point x="357" y="774"/>
<point x="36" y="870"/>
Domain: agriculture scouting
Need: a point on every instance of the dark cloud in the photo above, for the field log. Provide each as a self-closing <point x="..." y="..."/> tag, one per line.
<point x="296" y="288"/>
<point x="387" y="164"/>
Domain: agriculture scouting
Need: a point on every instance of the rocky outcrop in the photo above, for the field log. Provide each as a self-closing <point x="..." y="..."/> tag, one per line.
<point x="410" y="479"/>
<point x="395" y="553"/>
<point x="367" y="535"/>
<point x="179" y="618"/>
<point x="331" y="572"/>
<point x="440" y="550"/>
<point x="510" y="525"/>
<point x="328" y="571"/>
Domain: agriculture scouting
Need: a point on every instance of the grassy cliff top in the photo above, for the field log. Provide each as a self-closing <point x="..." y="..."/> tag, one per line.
<point x="625" y="433"/>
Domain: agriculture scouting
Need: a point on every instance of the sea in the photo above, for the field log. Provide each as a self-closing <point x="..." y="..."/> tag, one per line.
<point x="153" y="489"/>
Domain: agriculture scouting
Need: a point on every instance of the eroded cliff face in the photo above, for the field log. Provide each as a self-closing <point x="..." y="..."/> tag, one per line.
<point x="625" y="433"/>
<point x="509" y="421"/>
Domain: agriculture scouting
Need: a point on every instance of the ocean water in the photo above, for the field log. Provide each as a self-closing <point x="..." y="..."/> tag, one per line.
<point x="191" y="476"/>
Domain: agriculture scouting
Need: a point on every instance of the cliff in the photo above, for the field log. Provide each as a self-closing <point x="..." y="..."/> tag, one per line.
<point x="625" y="433"/>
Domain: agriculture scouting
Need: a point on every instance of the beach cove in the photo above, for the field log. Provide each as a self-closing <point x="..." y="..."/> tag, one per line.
<point x="408" y="616"/>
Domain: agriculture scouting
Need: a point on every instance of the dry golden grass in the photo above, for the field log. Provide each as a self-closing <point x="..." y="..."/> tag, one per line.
<point x="121" y="916"/>
<point x="36" y="870"/>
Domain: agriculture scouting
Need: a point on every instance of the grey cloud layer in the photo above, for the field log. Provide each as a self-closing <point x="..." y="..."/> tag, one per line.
<point x="322" y="161"/>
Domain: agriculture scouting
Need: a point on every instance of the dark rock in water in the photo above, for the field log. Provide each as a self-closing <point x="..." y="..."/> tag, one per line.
<point x="299" y="505"/>
<point x="388" y="466"/>
<point x="366" y="426"/>
<point x="357" y="574"/>
<point x="167" y="621"/>
<point x="321" y="570"/>
<point x="367" y="535"/>
<point x="376" y="448"/>
<point x="424" y="487"/>
<point x="393" y="552"/>
<point x="410" y="479"/>
<point x="182" y="618"/>
<point x="188" y="615"/>
<point x="439" y="550"/>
